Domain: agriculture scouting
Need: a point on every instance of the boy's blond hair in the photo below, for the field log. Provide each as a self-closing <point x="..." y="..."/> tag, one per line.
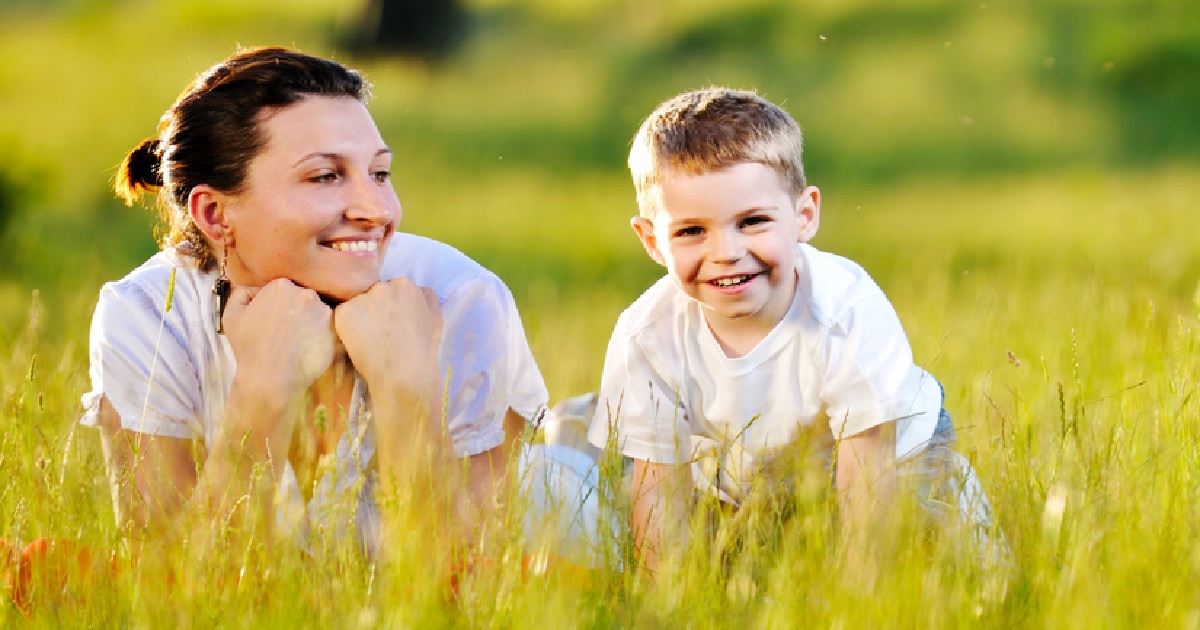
<point x="708" y="130"/>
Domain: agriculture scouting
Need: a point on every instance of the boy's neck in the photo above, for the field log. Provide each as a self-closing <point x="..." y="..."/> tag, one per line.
<point x="737" y="337"/>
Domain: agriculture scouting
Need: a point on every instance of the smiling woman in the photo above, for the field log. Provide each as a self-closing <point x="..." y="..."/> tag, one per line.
<point x="317" y="207"/>
<point x="287" y="333"/>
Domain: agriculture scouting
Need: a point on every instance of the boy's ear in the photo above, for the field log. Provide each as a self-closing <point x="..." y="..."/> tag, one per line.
<point x="808" y="214"/>
<point x="207" y="207"/>
<point x="645" y="232"/>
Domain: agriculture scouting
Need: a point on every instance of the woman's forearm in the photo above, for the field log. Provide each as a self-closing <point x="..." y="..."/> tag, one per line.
<point x="249" y="453"/>
<point x="410" y="437"/>
<point x="421" y="482"/>
<point x="156" y="480"/>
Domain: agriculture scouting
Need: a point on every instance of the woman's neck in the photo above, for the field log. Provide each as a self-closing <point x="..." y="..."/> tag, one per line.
<point x="334" y="389"/>
<point x="327" y="408"/>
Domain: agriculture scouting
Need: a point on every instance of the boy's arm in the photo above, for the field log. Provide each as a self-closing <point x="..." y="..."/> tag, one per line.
<point x="865" y="480"/>
<point x="659" y="496"/>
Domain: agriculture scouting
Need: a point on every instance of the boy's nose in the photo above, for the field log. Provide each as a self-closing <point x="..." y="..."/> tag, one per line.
<point x="727" y="246"/>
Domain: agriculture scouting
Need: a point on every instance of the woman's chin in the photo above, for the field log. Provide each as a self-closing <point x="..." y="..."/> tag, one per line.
<point x="330" y="300"/>
<point x="336" y="295"/>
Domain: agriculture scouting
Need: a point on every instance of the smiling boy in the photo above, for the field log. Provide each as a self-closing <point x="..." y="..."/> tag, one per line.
<point x="756" y="343"/>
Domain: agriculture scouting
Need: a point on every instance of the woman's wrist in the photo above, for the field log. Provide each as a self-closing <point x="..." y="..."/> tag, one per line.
<point x="258" y="418"/>
<point x="417" y="399"/>
<point x="273" y="384"/>
<point x="409" y="425"/>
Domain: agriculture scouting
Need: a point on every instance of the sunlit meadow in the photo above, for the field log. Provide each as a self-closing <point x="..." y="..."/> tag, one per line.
<point x="1054" y="295"/>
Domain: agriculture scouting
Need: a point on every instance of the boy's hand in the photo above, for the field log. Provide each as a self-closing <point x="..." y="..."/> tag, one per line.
<point x="659" y="496"/>
<point x="866" y="481"/>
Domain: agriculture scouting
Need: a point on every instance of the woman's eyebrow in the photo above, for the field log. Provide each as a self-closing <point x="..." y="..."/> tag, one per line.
<point x="336" y="156"/>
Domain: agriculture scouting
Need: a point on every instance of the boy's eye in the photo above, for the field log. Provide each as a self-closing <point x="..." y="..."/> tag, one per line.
<point x="689" y="231"/>
<point x="755" y="220"/>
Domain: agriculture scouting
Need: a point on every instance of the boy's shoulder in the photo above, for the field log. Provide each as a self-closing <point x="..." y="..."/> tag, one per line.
<point x="832" y="285"/>
<point x="829" y="286"/>
<point x="658" y="308"/>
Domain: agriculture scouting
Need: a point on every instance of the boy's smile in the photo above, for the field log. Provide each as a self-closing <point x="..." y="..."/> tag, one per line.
<point x="728" y="240"/>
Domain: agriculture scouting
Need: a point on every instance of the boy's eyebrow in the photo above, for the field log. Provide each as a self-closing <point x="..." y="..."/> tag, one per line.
<point x="682" y="221"/>
<point x="741" y="214"/>
<point x="754" y="209"/>
<point x="336" y="156"/>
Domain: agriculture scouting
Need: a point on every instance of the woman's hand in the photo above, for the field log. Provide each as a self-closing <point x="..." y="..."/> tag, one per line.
<point x="391" y="334"/>
<point x="282" y="337"/>
<point x="282" y="331"/>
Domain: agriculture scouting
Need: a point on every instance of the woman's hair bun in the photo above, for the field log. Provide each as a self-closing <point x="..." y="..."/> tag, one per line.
<point x="140" y="173"/>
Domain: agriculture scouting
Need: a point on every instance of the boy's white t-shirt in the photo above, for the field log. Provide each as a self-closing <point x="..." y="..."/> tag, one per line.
<point x="168" y="372"/>
<point x="837" y="364"/>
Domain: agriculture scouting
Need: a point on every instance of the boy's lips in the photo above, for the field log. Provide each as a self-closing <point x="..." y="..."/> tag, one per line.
<point x="734" y="283"/>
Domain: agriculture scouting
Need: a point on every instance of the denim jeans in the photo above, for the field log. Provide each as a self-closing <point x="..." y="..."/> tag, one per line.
<point x="948" y="490"/>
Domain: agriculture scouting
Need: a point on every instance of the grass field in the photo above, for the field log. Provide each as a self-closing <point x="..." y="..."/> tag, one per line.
<point x="1056" y="296"/>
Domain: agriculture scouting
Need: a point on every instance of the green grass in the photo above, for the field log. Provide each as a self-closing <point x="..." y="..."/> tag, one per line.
<point x="1049" y="284"/>
<point x="1061" y="320"/>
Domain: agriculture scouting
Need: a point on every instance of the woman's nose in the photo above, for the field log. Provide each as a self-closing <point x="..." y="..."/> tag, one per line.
<point x="372" y="203"/>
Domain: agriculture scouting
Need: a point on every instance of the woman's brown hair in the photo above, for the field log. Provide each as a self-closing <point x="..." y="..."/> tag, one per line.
<point x="213" y="130"/>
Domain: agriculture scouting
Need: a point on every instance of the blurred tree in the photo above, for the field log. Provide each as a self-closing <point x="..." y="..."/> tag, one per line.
<point x="423" y="28"/>
<point x="8" y="202"/>
<point x="9" y="195"/>
<point x="1157" y="93"/>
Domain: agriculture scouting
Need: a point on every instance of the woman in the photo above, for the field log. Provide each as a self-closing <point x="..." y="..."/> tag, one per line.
<point x="286" y="339"/>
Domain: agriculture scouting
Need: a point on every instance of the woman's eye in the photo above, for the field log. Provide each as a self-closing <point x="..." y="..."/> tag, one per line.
<point x="324" y="178"/>
<point x="382" y="176"/>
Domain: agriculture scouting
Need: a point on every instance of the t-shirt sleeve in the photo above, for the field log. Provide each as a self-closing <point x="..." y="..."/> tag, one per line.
<point x="870" y="379"/>
<point x="489" y="365"/>
<point x="637" y="409"/>
<point x="138" y="363"/>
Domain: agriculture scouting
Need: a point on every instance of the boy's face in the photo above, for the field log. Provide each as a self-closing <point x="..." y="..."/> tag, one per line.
<point x="728" y="239"/>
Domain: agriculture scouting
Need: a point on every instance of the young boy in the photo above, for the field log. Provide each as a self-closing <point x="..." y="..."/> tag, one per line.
<point x="755" y="341"/>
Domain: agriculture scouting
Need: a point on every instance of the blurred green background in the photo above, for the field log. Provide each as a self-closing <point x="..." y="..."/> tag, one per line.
<point x="1021" y="178"/>
<point x="1011" y="136"/>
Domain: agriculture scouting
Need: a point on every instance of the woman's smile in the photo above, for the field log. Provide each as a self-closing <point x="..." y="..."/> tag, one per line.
<point x="330" y="186"/>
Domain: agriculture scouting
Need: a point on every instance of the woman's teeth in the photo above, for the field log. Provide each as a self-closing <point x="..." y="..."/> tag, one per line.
<point x="355" y="246"/>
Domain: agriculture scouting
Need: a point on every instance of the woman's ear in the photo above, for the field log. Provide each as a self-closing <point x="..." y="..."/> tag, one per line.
<point x="808" y="214"/>
<point x="207" y="207"/>
<point x="645" y="231"/>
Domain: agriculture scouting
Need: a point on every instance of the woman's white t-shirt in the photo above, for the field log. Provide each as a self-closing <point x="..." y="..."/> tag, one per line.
<point x="839" y="362"/>
<point x="167" y="372"/>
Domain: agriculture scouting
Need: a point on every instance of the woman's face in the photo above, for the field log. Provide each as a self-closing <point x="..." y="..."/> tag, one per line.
<point x="317" y="207"/>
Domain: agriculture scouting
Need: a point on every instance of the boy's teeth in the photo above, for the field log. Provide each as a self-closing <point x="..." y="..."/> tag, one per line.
<point x="355" y="246"/>
<point x="729" y="282"/>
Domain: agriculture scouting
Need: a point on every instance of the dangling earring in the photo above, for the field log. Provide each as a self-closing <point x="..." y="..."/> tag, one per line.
<point x="221" y="289"/>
